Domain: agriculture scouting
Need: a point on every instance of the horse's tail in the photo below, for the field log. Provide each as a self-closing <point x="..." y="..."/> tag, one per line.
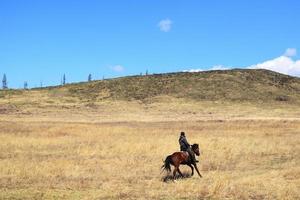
<point x="167" y="164"/>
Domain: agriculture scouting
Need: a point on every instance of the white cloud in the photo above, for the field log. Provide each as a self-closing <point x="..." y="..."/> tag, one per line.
<point x="117" y="68"/>
<point x="290" y="52"/>
<point x="282" y="64"/>
<point x="165" y="25"/>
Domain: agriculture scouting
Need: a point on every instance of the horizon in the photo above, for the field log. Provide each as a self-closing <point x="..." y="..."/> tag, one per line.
<point x="41" y="41"/>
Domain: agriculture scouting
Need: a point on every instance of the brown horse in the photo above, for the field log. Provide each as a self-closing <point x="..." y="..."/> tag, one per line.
<point x="181" y="158"/>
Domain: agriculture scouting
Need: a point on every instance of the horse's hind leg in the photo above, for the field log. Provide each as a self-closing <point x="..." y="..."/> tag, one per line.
<point x="174" y="172"/>
<point x="191" y="166"/>
<point x="179" y="172"/>
<point x="176" y="169"/>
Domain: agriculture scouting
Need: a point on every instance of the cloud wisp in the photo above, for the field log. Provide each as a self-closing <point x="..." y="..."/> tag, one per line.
<point x="117" y="68"/>
<point x="216" y="67"/>
<point x="290" y="52"/>
<point x="193" y="70"/>
<point x="219" y="67"/>
<point x="165" y="25"/>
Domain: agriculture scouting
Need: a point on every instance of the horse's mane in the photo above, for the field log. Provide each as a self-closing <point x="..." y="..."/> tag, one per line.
<point x="194" y="146"/>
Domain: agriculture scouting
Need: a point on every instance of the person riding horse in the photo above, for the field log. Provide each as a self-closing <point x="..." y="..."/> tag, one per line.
<point x="186" y="156"/>
<point x="185" y="146"/>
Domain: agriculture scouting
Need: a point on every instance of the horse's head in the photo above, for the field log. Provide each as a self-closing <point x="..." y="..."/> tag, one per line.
<point x="196" y="150"/>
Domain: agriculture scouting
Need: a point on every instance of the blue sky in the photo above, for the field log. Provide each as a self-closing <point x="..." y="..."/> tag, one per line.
<point x="41" y="40"/>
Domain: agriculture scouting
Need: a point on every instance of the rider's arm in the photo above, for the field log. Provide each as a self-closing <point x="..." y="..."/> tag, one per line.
<point x="186" y="142"/>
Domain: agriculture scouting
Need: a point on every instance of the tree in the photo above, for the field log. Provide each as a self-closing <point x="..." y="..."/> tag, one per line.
<point x="4" y="82"/>
<point x="25" y="85"/>
<point x="147" y="72"/>
<point x="64" y="80"/>
<point x="90" y="78"/>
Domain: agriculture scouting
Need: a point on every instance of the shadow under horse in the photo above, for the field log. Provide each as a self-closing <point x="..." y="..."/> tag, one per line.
<point x="181" y="158"/>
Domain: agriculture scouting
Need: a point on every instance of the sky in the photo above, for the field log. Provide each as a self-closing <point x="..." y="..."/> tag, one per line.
<point x="42" y="40"/>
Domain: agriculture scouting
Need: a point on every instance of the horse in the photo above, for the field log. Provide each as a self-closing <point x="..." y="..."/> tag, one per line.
<point x="181" y="158"/>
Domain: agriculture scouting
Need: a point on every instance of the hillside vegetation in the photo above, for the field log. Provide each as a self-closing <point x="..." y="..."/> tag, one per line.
<point x="234" y="85"/>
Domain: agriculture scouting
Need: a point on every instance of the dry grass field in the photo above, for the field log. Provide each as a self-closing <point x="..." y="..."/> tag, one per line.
<point x="245" y="159"/>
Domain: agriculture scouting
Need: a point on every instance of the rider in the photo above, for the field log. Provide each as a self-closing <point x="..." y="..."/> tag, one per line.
<point x="185" y="146"/>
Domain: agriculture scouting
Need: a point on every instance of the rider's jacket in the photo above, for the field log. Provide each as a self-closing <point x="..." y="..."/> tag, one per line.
<point x="184" y="145"/>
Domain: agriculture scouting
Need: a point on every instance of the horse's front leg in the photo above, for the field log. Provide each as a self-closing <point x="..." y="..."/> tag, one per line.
<point x="191" y="166"/>
<point x="197" y="170"/>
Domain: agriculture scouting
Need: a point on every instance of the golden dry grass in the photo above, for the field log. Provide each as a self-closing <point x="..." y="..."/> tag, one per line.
<point x="244" y="159"/>
<point x="49" y="106"/>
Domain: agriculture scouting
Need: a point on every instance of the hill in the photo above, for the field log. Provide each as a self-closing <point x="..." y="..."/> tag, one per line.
<point x="226" y="85"/>
<point x="248" y="90"/>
